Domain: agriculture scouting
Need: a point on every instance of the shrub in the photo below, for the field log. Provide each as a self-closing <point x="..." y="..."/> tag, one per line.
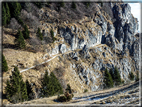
<point x="68" y="95"/>
<point x="14" y="25"/>
<point x="62" y="98"/>
<point x="65" y="97"/>
<point x="30" y="19"/>
<point x="85" y="90"/>
<point x="37" y="65"/>
<point x="35" y="43"/>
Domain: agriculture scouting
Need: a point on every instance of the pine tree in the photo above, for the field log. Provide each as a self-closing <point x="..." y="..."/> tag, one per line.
<point x="131" y="76"/>
<point x="8" y="13"/>
<point x="46" y="85"/>
<point x="15" y="80"/>
<point x="50" y="85"/>
<point x="4" y="17"/>
<point x="73" y="5"/>
<point x="62" y="4"/>
<point x="23" y="91"/>
<point x="18" y="33"/>
<point x="15" y="9"/>
<point x="26" y="32"/>
<point x="56" y="84"/>
<point x="108" y="79"/>
<point x="16" y="89"/>
<point x="9" y="90"/>
<point x="4" y="64"/>
<point x="69" y="88"/>
<point x="117" y="78"/>
<point x="20" y="40"/>
<point x="39" y="34"/>
<point x="29" y="90"/>
<point x="111" y="73"/>
<point x="38" y="4"/>
<point x="87" y="4"/>
<point x="137" y="76"/>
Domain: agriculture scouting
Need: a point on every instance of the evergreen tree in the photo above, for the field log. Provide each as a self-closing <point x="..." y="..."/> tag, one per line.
<point x="15" y="9"/>
<point x="9" y="90"/>
<point x="137" y="76"/>
<point x="18" y="33"/>
<point x="4" y="17"/>
<point x="15" y="80"/>
<point x="62" y="4"/>
<point x="29" y="90"/>
<point x="52" y="35"/>
<point x="20" y="40"/>
<point x="111" y="73"/>
<point x="8" y="13"/>
<point x="23" y="91"/>
<point x="16" y="89"/>
<point x="108" y="79"/>
<point x="26" y="32"/>
<point x="50" y="85"/>
<point x="117" y="78"/>
<point x="38" y="4"/>
<point x="39" y="34"/>
<point x="56" y="84"/>
<point x="131" y="76"/>
<point x="4" y="64"/>
<point x="69" y="88"/>
<point x="46" y="85"/>
<point x="87" y="4"/>
<point x="73" y="5"/>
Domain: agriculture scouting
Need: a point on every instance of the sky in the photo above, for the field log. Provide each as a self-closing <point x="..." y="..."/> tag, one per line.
<point x="135" y="10"/>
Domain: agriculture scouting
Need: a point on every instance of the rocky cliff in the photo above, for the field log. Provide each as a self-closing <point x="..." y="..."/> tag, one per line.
<point x="104" y="39"/>
<point x="118" y="39"/>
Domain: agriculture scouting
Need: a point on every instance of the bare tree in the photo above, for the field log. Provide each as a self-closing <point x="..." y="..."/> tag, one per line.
<point x="35" y="43"/>
<point x="31" y="20"/>
<point x="14" y="25"/>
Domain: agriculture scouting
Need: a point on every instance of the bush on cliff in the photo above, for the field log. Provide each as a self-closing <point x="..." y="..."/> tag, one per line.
<point x="68" y="95"/>
<point x="131" y="76"/>
<point x="108" y="82"/>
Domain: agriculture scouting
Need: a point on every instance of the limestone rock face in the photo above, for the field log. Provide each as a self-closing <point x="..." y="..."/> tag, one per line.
<point x="62" y="48"/>
<point x="99" y="42"/>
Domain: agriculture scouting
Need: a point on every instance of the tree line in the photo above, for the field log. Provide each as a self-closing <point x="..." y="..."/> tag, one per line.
<point x="113" y="78"/>
<point x="9" y="10"/>
<point x="18" y="91"/>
